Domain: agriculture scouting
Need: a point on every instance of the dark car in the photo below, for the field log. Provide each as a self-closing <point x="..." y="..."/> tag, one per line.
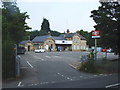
<point x="21" y="50"/>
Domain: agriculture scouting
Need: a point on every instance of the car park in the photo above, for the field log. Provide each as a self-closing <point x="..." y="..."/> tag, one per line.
<point x="39" y="50"/>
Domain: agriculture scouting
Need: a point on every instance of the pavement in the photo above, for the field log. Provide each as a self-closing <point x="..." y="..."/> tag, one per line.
<point x="48" y="68"/>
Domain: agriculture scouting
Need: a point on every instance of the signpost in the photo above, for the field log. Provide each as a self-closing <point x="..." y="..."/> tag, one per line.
<point x="95" y="35"/>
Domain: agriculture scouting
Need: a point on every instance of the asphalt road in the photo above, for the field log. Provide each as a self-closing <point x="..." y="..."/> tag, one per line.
<point x="110" y="81"/>
<point x="52" y="69"/>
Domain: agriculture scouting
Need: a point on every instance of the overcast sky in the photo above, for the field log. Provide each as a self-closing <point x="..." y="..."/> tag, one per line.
<point x="62" y="14"/>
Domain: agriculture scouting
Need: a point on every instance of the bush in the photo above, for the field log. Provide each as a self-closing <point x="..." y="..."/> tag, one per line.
<point x="88" y="66"/>
<point x="8" y="59"/>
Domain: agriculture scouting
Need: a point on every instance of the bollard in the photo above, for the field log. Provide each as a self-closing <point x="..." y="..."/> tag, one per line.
<point x="17" y="66"/>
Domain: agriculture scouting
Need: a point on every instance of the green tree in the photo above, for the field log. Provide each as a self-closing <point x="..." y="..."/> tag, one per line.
<point x="33" y="34"/>
<point x="45" y="27"/>
<point x="88" y="36"/>
<point x="55" y="33"/>
<point x="13" y="22"/>
<point x="107" y="19"/>
<point x="13" y="31"/>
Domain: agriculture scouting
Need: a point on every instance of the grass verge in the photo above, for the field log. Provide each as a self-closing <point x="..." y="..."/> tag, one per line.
<point x="101" y="66"/>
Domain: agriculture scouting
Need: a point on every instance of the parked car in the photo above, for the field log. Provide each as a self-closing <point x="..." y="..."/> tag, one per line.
<point x="104" y="50"/>
<point x="107" y="50"/>
<point x="39" y="50"/>
<point x="21" y="50"/>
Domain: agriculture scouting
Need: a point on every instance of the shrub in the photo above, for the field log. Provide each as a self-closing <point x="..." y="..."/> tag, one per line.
<point x="88" y="66"/>
<point x="8" y="59"/>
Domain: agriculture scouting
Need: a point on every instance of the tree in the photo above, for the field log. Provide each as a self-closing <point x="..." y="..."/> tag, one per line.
<point x="34" y="33"/>
<point x="45" y="25"/>
<point x="88" y="36"/>
<point x="45" y="28"/>
<point x="13" y="31"/>
<point x="107" y="19"/>
<point x="55" y="33"/>
<point x="13" y="22"/>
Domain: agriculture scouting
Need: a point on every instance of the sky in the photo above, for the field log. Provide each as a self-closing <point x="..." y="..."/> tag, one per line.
<point x="62" y="14"/>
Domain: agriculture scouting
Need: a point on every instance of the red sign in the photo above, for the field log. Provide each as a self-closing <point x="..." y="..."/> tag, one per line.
<point x="96" y="34"/>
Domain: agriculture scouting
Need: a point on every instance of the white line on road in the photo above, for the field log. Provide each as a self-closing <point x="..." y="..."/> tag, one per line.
<point x="37" y="57"/>
<point x="100" y="74"/>
<point x="81" y="76"/>
<point x="48" y="56"/>
<point x="112" y="85"/>
<point x="30" y="64"/>
<point x="41" y="59"/>
<point x="19" y="84"/>
<point x="95" y="75"/>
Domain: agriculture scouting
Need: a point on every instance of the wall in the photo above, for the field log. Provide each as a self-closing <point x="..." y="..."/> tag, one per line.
<point x="76" y="43"/>
<point x="49" y="45"/>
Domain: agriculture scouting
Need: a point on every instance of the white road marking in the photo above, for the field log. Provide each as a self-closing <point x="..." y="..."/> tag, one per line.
<point x="35" y="84"/>
<point x="68" y="78"/>
<point x="65" y="76"/>
<point x="112" y="85"/>
<point x="57" y="56"/>
<point x="30" y="64"/>
<point x="48" y="56"/>
<point x="73" y="66"/>
<point x="100" y="74"/>
<point x="37" y="57"/>
<point x="19" y="84"/>
<point x="81" y="76"/>
<point x="95" y="75"/>
<point x="110" y="74"/>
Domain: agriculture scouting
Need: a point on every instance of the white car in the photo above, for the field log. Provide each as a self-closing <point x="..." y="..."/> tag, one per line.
<point x="109" y="50"/>
<point x="39" y="50"/>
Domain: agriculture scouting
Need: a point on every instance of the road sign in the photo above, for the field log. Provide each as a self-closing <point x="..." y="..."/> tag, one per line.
<point x="95" y="34"/>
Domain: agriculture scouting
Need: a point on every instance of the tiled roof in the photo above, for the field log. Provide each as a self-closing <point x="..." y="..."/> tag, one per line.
<point x="70" y="35"/>
<point x="61" y="37"/>
<point x="23" y="42"/>
<point x="58" y="38"/>
<point x="43" y="38"/>
<point x="40" y="38"/>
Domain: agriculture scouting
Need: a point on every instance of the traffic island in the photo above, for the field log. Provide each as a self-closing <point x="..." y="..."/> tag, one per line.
<point x="76" y="65"/>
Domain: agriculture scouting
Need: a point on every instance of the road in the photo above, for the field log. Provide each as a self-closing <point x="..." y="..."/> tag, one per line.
<point x="52" y="69"/>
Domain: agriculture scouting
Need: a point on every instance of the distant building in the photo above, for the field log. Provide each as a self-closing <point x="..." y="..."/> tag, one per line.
<point x="65" y="42"/>
<point x="27" y="44"/>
